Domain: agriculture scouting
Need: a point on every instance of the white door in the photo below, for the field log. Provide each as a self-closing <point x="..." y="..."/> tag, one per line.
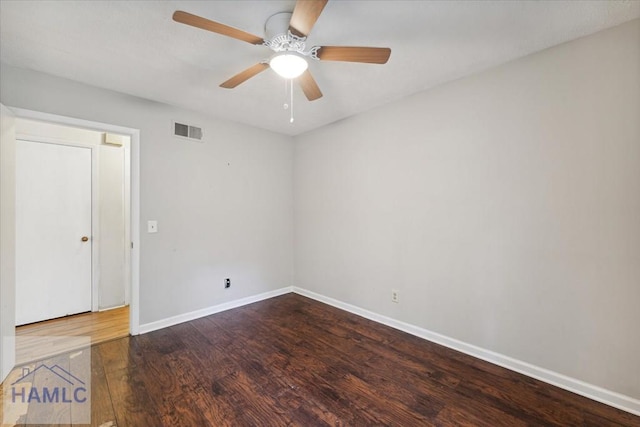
<point x="53" y="231"/>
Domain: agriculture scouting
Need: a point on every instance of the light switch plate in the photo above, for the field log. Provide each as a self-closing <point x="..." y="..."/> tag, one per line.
<point x="152" y="226"/>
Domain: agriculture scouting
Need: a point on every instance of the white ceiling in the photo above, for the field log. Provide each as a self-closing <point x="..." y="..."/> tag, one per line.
<point x="135" y="47"/>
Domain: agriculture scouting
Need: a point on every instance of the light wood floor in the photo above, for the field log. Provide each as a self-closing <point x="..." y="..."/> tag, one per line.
<point x="38" y="340"/>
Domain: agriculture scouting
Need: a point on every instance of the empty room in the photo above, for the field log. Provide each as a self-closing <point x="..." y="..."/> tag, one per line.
<point x="320" y="212"/>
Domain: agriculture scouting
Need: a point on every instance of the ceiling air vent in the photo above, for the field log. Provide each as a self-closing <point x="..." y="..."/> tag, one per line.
<point x="187" y="131"/>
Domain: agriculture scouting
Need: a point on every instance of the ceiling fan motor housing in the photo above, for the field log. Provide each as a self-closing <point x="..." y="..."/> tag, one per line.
<point x="279" y="39"/>
<point x="277" y="25"/>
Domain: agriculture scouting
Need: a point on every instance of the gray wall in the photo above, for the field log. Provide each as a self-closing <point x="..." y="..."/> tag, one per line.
<point x="505" y="208"/>
<point x="224" y="206"/>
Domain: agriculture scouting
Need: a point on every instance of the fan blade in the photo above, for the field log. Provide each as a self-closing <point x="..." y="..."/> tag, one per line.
<point x="370" y="55"/>
<point x="309" y="86"/>
<point x="305" y="14"/>
<point x="245" y="75"/>
<point x="216" y="27"/>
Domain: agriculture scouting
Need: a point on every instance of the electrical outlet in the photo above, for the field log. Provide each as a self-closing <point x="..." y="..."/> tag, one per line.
<point x="395" y="295"/>
<point x="227" y="283"/>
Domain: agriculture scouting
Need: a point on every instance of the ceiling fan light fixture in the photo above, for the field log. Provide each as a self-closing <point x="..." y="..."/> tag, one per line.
<point x="288" y="65"/>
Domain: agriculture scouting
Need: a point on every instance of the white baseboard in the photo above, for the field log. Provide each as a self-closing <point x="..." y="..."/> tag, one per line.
<point x="582" y="388"/>
<point x="181" y="318"/>
<point x="100" y="310"/>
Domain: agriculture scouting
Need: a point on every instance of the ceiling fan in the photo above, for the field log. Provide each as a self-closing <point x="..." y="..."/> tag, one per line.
<point x="285" y="34"/>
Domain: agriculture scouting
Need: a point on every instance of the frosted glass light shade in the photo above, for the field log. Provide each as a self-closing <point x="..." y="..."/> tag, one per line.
<point x="288" y="65"/>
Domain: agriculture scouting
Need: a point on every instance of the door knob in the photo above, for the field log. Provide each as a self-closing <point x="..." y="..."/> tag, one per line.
<point x="84" y="238"/>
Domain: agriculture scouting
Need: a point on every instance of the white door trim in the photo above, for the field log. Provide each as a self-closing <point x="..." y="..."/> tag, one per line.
<point x="95" y="211"/>
<point x="134" y="254"/>
<point x="7" y="241"/>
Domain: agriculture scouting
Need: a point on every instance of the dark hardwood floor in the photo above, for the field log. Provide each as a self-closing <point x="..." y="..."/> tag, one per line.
<point x="293" y="361"/>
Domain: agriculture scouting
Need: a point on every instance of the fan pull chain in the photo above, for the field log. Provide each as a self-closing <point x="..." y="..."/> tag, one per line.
<point x="286" y="95"/>
<point x="291" y="93"/>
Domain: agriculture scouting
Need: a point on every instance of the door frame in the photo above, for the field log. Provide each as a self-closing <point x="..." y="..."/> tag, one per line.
<point x="134" y="219"/>
<point x="95" y="211"/>
<point x="7" y="241"/>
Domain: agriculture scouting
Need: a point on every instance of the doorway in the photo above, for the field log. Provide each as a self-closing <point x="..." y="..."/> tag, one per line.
<point x="72" y="234"/>
<point x="9" y="115"/>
